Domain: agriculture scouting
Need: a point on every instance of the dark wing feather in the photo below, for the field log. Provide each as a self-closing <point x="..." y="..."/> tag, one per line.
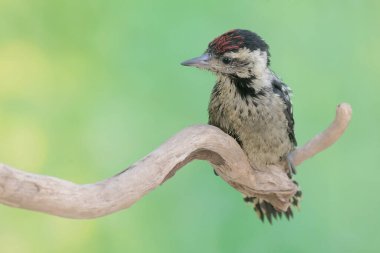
<point x="283" y="91"/>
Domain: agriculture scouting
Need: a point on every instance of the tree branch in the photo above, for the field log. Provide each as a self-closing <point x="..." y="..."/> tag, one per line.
<point x="63" y="198"/>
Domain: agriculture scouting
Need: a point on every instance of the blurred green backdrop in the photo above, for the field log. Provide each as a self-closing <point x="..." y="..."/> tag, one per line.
<point x="89" y="87"/>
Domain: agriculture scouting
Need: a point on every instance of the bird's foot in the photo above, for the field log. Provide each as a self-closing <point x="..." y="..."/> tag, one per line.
<point x="290" y="168"/>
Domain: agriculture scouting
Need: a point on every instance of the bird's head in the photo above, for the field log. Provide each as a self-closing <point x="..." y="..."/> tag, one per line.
<point x="238" y="53"/>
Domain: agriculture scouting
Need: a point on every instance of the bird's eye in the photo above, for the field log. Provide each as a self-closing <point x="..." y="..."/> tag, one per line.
<point x="226" y="60"/>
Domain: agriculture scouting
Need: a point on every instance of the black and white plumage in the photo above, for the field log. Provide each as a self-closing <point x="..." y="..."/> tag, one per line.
<point x="250" y="103"/>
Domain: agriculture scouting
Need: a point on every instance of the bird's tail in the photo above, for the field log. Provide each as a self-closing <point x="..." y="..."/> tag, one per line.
<point x="265" y="209"/>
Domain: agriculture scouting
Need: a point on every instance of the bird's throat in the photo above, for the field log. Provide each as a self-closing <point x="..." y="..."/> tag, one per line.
<point x="244" y="86"/>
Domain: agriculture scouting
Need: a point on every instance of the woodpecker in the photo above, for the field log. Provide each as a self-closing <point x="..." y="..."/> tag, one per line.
<point x="251" y="104"/>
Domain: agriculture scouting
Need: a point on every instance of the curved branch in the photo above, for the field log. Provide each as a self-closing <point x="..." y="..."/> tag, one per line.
<point x="326" y="138"/>
<point x="63" y="198"/>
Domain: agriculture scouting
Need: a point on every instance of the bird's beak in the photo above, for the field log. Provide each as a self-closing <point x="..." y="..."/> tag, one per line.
<point x="199" y="62"/>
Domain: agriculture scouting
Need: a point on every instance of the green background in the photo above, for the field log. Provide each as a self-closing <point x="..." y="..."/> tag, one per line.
<point x="89" y="87"/>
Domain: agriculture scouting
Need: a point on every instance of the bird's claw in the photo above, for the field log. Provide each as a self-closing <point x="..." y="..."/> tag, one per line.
<point x="291" y="168"/>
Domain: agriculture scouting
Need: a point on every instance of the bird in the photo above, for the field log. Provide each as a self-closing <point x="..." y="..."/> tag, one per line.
<point x="250" y="103"/>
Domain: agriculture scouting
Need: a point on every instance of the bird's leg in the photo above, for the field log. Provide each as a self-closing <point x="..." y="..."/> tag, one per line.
<point x="291" y="168"/>
<point x="296" y="199"/>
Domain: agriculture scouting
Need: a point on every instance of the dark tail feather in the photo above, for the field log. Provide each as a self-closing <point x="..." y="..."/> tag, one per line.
<point x="264" y="209"/>
<point x="289" y="213"/>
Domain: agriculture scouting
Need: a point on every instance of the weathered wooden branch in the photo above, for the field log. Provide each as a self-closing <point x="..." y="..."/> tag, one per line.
<point x="62" y="198"/>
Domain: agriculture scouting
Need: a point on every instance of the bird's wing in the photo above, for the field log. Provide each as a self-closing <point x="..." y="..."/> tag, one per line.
<point x="284" y="92"/>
